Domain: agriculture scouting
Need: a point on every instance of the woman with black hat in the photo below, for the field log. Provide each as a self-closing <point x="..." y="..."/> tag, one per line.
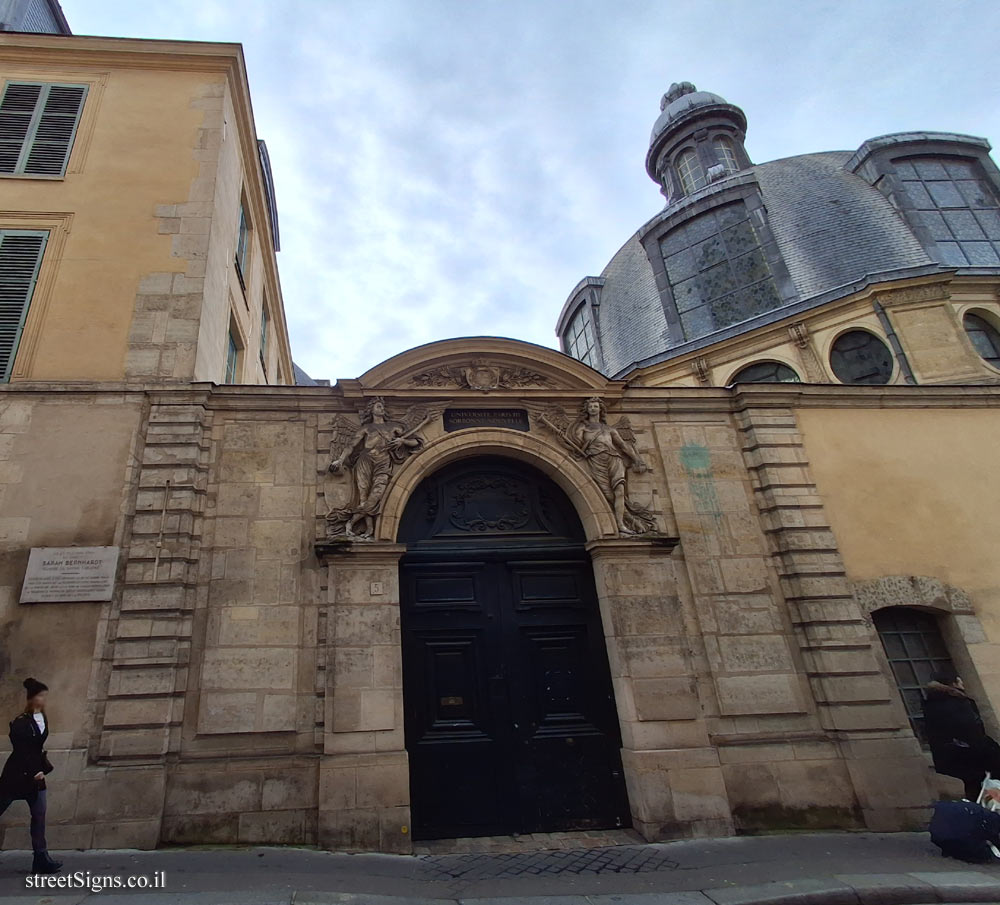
<point x="23" y="775"/>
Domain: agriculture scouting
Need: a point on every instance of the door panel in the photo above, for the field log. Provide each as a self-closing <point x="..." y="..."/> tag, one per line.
<point x="510" y="719"/>
<point x="456" y="732"/>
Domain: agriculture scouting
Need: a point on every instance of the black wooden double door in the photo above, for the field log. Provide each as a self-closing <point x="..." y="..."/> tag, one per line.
<point x="511" y="725"/>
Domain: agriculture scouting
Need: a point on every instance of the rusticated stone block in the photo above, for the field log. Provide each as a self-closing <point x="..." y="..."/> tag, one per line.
<point x="648" y="615"/>
<point x="237" y="499"/>
<point x="363" y="626"/>
<point x="666" y="699"/>
<point x="248" y="667"/>
<point x="394" y="831"/>
<point x="384" y="784"/>
<point x="130" y="792"/>
<point x="273" y="827"/>
<point x="291" y="788"/>
<point x="760" y="694"/>
<point x="188" y="829"/>
<point x="278" y="713"/>
<point x="755" y="653"/>
<point x="349" y="831"/>
<point x="140" y="834"/>
<point x="227" y="711"/>
<point x="653" y="655"/>
<point x="204" y="791"/>
<point x="257" y="625"/>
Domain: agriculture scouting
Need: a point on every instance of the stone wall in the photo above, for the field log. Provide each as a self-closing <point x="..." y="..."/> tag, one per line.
<point x="245" y="686"/>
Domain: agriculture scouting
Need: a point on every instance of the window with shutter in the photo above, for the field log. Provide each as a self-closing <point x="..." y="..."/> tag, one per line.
<point x="37" y="127"/>
<point x="20" y="257"/>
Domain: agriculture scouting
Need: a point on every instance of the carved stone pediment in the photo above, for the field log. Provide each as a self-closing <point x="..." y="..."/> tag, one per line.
<point x="482" y="364"/>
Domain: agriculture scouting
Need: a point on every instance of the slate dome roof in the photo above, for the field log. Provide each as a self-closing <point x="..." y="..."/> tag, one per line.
<point x="833" y="230"/>
<point x="683" y="105"/>
<point x="827" y="224"/>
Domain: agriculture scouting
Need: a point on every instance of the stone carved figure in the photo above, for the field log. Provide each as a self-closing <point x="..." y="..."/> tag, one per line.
<point x="369" y="453"/>
<point x="610" y="453"/>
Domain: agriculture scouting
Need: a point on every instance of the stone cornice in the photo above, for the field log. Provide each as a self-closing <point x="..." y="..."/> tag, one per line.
<point x="650" y="401"/>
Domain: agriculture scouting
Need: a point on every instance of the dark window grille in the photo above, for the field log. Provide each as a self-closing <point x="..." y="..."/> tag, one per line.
<point x="581" y="342"/>
<point x="766" y="372"/>
<point x="861" y="357"/>
<point x="957" y="205"/>
<point x="717" y="271"/>
<point x="985" y="338"/>
<point x="916" y="650"/>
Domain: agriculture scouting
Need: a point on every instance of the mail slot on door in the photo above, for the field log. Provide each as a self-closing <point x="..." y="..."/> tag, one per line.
<point x="451" y="702"/>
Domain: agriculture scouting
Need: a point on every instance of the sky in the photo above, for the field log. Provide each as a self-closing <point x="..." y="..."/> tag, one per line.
<point x="454" y="167"/>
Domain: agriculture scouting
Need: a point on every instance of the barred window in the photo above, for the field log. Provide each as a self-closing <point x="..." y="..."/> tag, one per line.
<point x="766" y="372"/>
<point x="726" y="154"/>
<point x="579" y="337"/>
<point x="861" y="357"/>
<point x="956" y="204"/>
<point x="915" y="650"/>
<point x="985" y="338"/>
<point x="690" y="171"/>
<point x="717" y="271"/>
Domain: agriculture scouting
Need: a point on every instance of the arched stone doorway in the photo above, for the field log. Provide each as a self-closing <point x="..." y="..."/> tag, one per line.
<point x="510" y="718"/>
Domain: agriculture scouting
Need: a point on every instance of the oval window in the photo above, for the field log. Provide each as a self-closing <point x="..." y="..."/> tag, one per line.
<point x="861" y="357"/>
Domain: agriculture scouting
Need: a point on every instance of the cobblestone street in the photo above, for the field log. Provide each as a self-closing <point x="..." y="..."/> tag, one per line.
<point x="800" y="869"/>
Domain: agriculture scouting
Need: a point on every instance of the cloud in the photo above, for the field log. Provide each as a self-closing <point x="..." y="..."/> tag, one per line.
<point x="450" y="168"/>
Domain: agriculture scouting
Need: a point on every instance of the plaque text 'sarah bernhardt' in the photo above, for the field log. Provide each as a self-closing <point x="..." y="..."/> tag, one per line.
<point x="69" y="574"/>
<point x="458" y="419"/>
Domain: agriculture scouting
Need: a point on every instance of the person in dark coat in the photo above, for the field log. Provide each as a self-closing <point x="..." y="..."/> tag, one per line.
<point x="964" y="830"/>
<point x="956" y="735"/>
<point x="23" y="776"/>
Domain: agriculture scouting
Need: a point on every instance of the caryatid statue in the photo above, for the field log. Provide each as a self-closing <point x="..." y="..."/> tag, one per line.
<point x="369" y="452"/>
<point x="610" y="453"/>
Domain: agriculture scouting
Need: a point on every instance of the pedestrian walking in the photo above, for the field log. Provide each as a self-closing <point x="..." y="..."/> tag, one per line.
<point x="23" y="776"/>
<point x="956" y="735"/>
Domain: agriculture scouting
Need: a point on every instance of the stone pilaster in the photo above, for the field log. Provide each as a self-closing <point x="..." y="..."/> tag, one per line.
<point x="364" y="784"/>
<point x="673" y="776"/>
<point x="855" y="701"/>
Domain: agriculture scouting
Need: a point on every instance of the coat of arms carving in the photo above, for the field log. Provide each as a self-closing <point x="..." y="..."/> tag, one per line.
<point x="481" y="375"/>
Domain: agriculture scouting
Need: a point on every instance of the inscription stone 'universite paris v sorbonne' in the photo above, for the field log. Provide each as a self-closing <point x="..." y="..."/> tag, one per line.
<point x="685" y="575"/>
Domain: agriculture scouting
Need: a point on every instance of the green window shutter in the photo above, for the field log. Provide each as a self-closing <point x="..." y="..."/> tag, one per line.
<point x="20" y="258"/>
<point x="37" y="127"/>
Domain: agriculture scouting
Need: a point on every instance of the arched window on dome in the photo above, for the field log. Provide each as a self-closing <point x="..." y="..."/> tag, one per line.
<point x="580" y="339"/>
<point x="765" y="372"/>
<point x="725" y="153"/>
<point x="984" y="336"/>
<point x="690" y="171"/>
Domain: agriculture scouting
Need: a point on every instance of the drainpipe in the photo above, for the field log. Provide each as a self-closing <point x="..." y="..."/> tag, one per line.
<point x="894" y="344"/>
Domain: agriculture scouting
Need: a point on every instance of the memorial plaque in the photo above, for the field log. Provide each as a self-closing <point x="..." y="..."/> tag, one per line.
<point x="460" y="419"/>
<point x="69" y="574"/>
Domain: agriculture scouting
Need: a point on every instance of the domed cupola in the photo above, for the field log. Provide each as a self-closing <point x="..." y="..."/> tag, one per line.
<point x="697" y="140"/>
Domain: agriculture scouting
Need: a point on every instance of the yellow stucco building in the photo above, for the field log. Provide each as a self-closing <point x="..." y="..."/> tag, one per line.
<point x="486" y="587"/>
